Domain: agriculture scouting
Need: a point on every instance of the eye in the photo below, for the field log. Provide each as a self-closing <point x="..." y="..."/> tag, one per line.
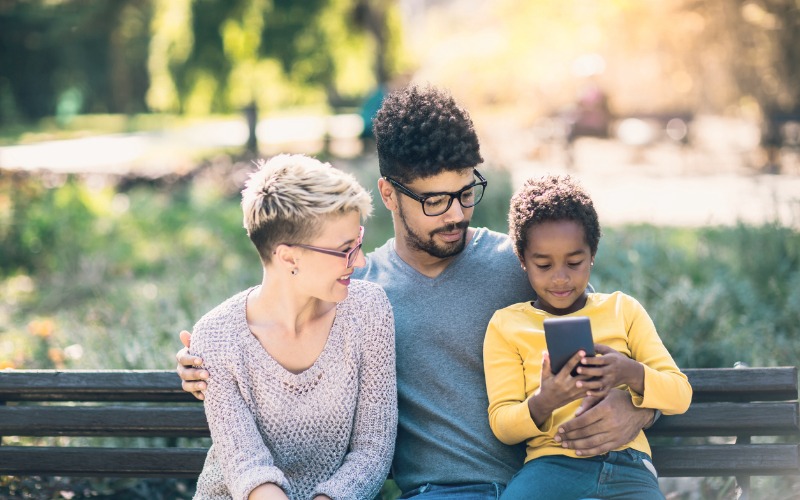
<point x="436" y="201"/>
<point x="468" y="195"/>
<point x="575" y="264"/>
<point x="543" y="267"/>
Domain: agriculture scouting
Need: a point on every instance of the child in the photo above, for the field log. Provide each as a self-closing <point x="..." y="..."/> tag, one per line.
<point x="554" y="228"/>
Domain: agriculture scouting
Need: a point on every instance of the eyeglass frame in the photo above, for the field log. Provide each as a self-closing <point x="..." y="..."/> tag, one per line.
<point x="349" y="256"/>
<point x="457" y="194"/>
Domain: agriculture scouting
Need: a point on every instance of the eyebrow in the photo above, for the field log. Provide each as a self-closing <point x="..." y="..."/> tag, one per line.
<point x="571" y="254"/>
<point x="434" y="193"/>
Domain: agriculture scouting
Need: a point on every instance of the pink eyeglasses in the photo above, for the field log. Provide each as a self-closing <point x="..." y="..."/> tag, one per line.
<point x="350" y="256"/>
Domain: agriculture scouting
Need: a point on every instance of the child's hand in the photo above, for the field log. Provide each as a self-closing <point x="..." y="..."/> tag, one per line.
<point x="610" y="370"/>
<point x="557" y="390"/>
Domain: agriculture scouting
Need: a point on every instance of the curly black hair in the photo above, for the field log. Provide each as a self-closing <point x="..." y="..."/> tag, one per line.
<point x="551" y="198"/>
<point x="421" y="132"/>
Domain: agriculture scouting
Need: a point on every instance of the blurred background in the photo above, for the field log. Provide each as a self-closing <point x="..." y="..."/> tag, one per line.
<point x="128" y="126"/>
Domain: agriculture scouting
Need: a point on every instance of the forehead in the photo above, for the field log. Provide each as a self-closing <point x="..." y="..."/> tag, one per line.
<point x="447" y="181"/>
<point x="561" y="233"/>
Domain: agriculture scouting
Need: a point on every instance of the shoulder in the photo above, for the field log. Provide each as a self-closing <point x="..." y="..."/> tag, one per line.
<point x="486" y="240"/>
<point x="618" y="304"/>
<point x="511" y="313"/>
<point x="363" y="291"/>
<point x="377" y="260"/>
<point x="220" y="325"/>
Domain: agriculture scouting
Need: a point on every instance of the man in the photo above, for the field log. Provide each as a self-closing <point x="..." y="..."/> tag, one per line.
<point x="445" y="280"/>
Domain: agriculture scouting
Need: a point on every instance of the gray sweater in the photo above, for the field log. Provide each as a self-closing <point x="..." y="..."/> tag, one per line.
<point x="328" y="430"/>
<point x="443" y="435"/>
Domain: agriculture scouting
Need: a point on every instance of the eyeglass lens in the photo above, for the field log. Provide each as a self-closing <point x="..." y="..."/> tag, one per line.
<point x="439" y="204"/>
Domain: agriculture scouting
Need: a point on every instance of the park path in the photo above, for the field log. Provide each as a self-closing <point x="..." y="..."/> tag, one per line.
<point x="708" y="183"/>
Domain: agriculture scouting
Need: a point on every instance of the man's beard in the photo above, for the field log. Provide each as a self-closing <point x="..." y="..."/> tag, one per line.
<point x="428" y="245"/>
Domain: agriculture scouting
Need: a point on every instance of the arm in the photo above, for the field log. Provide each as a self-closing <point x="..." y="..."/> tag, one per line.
<point x="665" y="387"/>
<point x="513" y="416"/>
<point x="619" y="417"/>
<point x="369" y="456"/>
<point x="246" y="463"/>
<point x="192" y="379"/>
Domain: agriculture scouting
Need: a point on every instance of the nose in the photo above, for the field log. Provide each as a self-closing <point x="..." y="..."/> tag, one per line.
<point x="455" y="213"/>
<point x="561" y="275"/>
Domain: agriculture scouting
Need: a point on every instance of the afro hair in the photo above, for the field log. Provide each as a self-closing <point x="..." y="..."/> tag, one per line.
<point x="551" y="198"/>
<point x="421" y="132"/>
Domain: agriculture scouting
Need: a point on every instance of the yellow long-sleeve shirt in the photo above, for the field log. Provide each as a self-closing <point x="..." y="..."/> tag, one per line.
<point x="512" y="357"/>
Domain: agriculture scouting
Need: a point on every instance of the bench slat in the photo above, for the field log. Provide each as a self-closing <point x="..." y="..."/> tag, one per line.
<point x="726" y="460"/>
<point x="106" y="462"/>
<point x="704" y="419"/>
<point x="743" y="384"/>
<point x="151" y="421"/>
<point x="670" y="461"/>
<point x="709" y="384"/>
<point x="731" y="419"/>
<point x="97" y="385"/>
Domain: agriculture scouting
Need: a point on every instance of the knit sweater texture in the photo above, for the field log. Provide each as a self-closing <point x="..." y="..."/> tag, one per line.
<point x="327" y="430"/>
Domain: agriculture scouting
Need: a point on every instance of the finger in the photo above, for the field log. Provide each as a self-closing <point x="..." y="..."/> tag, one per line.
<point x="186" y="337"/>
<point x="193" y="386"/>
<point x="189" y="374"/>
<point x="188" y="360"/>
<point x="587" y="403"/>
<point x="579" y="427"/>
<point x="572" y="363"/>
<point x="546" y="370"/>
<point x="598" y="393"/>
<point x="593" y="445"/>
<point x="603" y="349"/>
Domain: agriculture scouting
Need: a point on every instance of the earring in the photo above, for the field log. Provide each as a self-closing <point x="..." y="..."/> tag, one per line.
<point x="294" y="272"/>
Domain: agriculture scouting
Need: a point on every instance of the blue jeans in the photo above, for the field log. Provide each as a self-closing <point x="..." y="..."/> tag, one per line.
<point x="481" y="491"/>
<point x="624" y="474"/>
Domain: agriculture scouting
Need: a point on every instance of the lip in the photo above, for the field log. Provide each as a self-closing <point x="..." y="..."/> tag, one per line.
<point x="561" y="294"/>
<point x="451" y="236"/>
<point x="344" y="281"/>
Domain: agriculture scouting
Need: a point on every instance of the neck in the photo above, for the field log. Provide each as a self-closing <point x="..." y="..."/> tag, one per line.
<point x="279" y="303"/>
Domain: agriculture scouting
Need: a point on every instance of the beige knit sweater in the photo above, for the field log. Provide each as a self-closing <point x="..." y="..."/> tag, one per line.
<point x="328" y="430"/>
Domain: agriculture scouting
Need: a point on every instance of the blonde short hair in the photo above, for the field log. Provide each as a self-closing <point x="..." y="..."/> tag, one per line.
<point x="287" y="199"/>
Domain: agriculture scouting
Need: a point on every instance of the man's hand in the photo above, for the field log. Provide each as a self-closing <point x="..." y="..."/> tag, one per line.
<point x="191" y="377"/>
<point x="609" y="424"/>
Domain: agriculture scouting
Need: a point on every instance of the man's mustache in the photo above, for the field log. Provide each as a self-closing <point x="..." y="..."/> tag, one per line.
<point x="451" y="227"/>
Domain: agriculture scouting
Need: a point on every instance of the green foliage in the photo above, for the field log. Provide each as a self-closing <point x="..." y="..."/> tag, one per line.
<point x="717" y="295"/>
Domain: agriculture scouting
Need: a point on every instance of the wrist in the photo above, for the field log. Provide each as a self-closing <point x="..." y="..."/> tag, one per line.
<point x="539" y="409"/>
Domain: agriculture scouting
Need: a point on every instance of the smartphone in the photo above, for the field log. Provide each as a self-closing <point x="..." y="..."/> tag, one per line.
<point x="566" y="336"/>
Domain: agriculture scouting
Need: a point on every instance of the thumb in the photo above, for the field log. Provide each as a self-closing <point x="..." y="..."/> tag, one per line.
<point x="186" y="338"/>
<point x="587" y="403"/>
<point x="546" y="372"/>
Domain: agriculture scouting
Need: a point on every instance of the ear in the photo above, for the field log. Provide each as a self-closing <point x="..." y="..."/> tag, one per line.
<point x="285" y="256"/>
<point x="388" y="194"/>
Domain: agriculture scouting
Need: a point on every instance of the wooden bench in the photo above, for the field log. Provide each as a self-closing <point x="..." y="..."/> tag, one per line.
<point x="714" y="438"/>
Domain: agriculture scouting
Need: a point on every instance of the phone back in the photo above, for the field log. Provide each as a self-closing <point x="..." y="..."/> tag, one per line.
<point x="566" y="336"/>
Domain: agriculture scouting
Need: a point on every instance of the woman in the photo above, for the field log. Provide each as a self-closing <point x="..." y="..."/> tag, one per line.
<point x="302" y="400"/>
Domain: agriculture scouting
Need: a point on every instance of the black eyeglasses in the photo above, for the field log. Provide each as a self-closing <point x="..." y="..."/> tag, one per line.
<point x="434" y="204"/>
<point x="350" y="256"/>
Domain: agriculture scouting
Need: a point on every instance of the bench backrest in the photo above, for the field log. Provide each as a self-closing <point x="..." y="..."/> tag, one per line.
<point x="733" y="403"/>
